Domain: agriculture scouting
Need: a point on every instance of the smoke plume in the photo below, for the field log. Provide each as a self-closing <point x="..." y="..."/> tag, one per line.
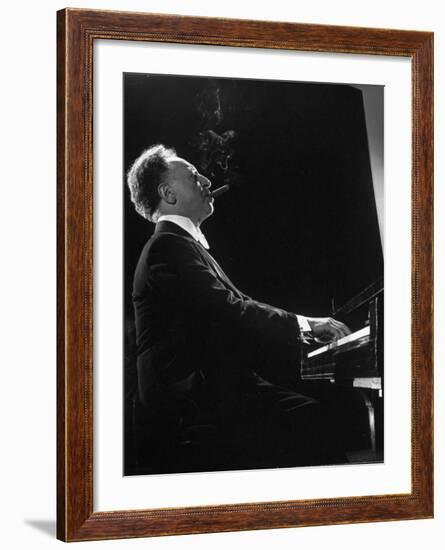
<point x="214" y="143"/>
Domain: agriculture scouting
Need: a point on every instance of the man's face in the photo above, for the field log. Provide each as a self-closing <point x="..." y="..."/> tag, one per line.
<point x="191" y="190"/>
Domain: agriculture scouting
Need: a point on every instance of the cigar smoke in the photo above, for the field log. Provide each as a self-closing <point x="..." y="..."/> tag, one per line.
<point x="215" y="143"/>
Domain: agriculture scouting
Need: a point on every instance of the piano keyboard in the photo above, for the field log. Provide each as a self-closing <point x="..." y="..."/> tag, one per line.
<point x="365" y="331"/>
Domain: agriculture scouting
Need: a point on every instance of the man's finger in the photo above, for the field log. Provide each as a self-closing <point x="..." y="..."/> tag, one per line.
<point x="341" y="326"/>
<point x="339" y="331"/>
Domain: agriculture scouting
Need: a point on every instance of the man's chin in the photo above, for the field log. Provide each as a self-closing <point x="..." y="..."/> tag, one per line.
<point x="209" y="212"/>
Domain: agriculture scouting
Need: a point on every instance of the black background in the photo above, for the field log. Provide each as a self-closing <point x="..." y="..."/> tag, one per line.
<point x="299" y="225"/>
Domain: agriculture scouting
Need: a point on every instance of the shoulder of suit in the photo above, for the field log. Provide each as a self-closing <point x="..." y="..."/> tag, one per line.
<point x="170" y="236"/>
<point x="170" y="243"/>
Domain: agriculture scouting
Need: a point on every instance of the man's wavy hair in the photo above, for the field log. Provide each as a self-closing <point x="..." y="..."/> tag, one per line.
<point x="144" y="177"/>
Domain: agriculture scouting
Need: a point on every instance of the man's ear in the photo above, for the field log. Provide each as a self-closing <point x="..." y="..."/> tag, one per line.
<point x="166" y="193"/>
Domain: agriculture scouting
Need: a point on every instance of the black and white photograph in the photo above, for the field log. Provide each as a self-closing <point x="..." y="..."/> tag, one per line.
<point x="222" y="268"/>
<point x="253" y="274"/>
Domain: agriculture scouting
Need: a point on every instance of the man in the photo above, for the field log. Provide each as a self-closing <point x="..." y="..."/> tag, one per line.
<point x="202" y="343"/>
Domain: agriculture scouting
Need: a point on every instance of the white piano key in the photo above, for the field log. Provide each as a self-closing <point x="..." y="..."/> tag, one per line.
<point x="365" y="331"/>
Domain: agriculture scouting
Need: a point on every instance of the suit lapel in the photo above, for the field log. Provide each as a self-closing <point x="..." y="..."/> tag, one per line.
<point x="170" y="227"/>
<point x="217" y="268"/>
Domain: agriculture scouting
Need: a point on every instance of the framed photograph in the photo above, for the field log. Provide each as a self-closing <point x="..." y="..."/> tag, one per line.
<point x="245" y="219"/>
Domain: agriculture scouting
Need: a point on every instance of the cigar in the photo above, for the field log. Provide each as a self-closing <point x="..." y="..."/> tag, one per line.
<point x="220" y="190"/>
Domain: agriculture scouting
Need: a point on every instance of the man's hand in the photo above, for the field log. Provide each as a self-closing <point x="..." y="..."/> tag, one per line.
<point x="326" y="329"/>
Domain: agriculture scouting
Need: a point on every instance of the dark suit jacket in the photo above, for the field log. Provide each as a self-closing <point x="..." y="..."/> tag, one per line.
<point x="200" y="340"/>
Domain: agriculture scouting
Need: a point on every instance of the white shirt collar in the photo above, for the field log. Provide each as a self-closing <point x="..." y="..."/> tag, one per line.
<point x="187" y="225"/>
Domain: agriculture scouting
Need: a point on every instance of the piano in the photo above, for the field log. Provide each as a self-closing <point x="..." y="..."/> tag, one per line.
<point x="355" y="364"/>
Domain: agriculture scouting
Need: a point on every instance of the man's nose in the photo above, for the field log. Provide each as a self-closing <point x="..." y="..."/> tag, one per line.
<point x="205" y="182"/>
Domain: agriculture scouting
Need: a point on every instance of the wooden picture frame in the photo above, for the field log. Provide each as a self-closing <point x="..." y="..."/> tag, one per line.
<point x="77" y="31"/>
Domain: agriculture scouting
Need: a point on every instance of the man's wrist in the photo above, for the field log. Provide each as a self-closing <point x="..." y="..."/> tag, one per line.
<point x="306" y="335"/>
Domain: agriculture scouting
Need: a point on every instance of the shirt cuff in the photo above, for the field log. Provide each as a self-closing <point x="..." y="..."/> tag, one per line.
<point x="305" y="329"/>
